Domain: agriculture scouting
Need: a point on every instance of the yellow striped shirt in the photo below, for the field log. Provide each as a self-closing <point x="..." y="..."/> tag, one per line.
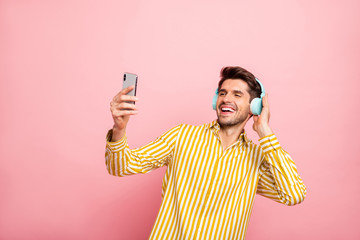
<point x="208" y="193"/>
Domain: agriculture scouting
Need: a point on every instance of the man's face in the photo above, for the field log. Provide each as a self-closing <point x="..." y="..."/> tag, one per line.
<point x="232" y="106"/>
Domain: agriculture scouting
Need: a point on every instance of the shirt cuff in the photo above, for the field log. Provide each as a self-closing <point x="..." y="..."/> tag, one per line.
<point x="115" y="145"/>
<point x="269" y="143"/>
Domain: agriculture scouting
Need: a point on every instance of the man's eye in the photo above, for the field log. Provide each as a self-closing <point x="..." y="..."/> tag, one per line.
<point x="221" y="94"/>
<point x="237" y="95"/>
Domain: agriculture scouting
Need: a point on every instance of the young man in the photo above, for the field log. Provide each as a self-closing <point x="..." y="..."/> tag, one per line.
<point x="213" y="170"/>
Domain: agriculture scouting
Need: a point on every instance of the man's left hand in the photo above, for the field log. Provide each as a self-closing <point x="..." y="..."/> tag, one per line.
<point x="261" y="122"/>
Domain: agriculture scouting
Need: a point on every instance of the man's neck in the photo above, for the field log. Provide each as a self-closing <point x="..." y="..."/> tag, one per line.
<point x="229" y="135"/>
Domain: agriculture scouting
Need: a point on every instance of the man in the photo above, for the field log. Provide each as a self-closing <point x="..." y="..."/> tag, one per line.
<point x="213" y="170"/>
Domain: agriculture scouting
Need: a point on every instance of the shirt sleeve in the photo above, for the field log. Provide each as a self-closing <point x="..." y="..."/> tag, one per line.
<point x="122" y="161"/>
<point x="278" y="178"/>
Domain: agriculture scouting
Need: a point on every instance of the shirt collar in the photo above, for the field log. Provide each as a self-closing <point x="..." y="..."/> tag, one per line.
<point x="214" y="125"/>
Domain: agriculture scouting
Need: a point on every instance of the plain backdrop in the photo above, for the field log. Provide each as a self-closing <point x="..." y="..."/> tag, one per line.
<point x="61" y="63"/>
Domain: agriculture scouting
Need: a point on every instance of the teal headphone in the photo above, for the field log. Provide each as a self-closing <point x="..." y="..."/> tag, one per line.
<point x="255" y="105"/>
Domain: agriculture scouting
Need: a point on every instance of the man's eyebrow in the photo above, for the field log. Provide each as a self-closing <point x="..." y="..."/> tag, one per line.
<point x="234" y="91"/>
<point x="238" y="91"/>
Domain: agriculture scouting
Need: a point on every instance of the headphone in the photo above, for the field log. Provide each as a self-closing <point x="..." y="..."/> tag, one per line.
<point x="255" y="105"/>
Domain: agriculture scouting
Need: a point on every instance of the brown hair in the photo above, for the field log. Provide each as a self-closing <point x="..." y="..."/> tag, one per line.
<point x="254" y="88"/>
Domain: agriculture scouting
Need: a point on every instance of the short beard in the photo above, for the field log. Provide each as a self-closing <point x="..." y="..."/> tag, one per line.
<point x="234" y="122"/>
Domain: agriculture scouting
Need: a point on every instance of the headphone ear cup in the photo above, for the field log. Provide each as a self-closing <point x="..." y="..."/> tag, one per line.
<point x="256" y="106"/>
<point x="214" y="100"/>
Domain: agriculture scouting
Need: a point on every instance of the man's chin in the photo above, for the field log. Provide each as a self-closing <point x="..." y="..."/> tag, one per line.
<point x="227" y="123"/>
<point x="230" y="122"/>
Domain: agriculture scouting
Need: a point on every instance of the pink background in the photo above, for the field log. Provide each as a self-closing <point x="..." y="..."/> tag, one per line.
<point x="61" y="62"/>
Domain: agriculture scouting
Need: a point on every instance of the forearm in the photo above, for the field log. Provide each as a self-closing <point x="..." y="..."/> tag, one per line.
<point x="116" y="159"/>
<point x="264" y="131"/>
<point x="280" y="174"/>
<point x="122" y="161"/>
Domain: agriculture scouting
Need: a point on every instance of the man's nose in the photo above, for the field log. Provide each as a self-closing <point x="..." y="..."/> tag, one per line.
<point x="227" y="98"/>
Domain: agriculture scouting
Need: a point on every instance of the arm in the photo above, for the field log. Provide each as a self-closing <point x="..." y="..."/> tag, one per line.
<point x="122" y="161"/>
<point x="278" y="177"/>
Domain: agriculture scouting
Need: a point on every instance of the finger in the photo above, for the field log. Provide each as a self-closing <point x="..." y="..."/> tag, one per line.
<point x="128" y="89"/>
<point x="265" y="101"/>
<point x="123" y="98"/>
<point x="124" y="113"/>
<point x="127" y="98"/>
<point x="125" y="106"/>
<point x="123" y="92"/>
<point x="265" y="112"/>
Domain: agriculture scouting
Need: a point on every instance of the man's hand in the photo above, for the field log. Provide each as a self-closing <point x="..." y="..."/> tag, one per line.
<point x="261" y="122"/>
<point x="121" y="110"/>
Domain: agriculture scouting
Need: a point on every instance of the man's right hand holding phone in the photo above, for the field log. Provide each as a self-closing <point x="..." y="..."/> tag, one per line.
<point x="121" y="109"/>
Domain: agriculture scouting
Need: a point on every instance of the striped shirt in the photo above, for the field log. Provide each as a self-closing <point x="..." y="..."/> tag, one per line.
<point x="208" y="192"/>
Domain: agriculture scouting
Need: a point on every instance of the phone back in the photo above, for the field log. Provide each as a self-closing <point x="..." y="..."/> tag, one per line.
<point x="130" y="79"/>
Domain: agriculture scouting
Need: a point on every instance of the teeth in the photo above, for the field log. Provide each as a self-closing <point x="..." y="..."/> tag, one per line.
<point x="227" y="109"/>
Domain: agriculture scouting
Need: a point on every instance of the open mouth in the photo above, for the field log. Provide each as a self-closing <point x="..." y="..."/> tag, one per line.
<point x="227" y="109"/>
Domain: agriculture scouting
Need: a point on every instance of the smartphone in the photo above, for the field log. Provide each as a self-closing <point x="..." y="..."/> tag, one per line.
<point x="129" y="80"/>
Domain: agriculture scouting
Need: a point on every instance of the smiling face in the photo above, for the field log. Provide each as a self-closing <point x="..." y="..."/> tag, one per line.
<point x="233" y="103"/>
